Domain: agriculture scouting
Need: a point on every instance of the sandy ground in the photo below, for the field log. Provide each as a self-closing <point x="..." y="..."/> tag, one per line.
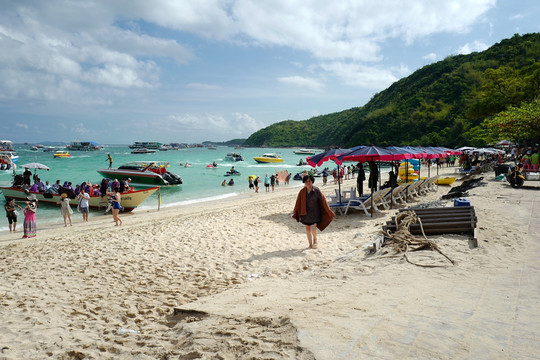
<point x="245" y="286"/>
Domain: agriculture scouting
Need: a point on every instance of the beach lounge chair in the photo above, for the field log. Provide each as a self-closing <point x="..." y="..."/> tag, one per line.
<point x="364" y="203"/>
<point x="396" y="196"/>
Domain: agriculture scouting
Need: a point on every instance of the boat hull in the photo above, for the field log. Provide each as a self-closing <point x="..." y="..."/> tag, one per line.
<point x="146" y="177"/>
<point x="130" y="200"/>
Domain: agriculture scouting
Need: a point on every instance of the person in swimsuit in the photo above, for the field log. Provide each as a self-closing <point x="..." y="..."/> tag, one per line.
<point x="116" y="198"/>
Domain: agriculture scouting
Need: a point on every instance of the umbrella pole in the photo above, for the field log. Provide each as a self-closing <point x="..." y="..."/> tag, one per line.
<point x="392" y="186"/>
<point x="379" y="171"/>
<point x="407" y="180"/>
<point x="371" y="208"/>
<point x="339" y="183"/>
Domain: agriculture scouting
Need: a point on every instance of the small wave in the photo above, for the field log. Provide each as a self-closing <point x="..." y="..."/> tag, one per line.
<point x="192" y="201"/>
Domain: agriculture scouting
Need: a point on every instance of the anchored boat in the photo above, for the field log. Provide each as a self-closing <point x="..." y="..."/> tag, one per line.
<point x="130" y="199"/>
<point x="144" y="172"/>
<point x="268" y="158"/>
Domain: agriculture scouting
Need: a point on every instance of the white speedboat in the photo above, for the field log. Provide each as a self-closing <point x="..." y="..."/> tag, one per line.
<point x="232" y="156"/>
<point x="304" y="152"/>
<point x="143" y="151"/>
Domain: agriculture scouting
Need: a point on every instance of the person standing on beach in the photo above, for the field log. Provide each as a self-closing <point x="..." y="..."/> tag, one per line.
<point x="84" y="197"/>
<point x="312" y="210"/>
<point x="360" y="179"/>
<point x="30" y="227"/>
<point x="116" y="198"/>
<point x="324" y="176"/>
<point x="272" y="181"/>
<point x="267" y="183"/>
<point x="109" y="158"/>
<point x="65" y="209"/>
<point x="373" y="175"/>
<point x="11" y="213"/>
<point x="256" y="184"/>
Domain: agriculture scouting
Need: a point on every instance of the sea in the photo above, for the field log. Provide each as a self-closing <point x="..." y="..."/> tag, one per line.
<point x="200" y="184"/>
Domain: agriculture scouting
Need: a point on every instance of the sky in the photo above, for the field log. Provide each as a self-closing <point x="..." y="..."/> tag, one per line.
<point x="119" y="71"/>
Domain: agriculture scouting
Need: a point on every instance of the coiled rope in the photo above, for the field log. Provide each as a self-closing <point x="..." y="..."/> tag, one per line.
<point x="402" y="241"/>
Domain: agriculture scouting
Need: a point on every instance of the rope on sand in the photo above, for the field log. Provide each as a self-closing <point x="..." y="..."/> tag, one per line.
<point x="402" y="241"/>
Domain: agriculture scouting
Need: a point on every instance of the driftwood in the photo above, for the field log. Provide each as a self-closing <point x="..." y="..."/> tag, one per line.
<point x="402" y="241"/>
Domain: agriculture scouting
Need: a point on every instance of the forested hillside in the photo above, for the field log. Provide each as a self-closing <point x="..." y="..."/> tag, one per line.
<point x="447" y="103"/>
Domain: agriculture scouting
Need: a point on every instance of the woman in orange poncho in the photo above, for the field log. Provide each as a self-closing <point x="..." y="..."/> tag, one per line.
<point x="312" y="210"/>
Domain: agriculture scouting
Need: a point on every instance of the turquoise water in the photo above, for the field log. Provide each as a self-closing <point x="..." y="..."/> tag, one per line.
<point x="200" y="184"/>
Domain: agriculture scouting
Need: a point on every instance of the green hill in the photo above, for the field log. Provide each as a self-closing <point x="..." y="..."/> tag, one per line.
<point x="444" y="103"/>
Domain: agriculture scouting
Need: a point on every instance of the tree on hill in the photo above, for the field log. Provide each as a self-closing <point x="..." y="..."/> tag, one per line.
<point x="444" y="103"/>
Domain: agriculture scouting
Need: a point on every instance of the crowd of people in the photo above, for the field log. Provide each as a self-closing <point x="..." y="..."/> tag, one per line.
<point x="82" y="192"/>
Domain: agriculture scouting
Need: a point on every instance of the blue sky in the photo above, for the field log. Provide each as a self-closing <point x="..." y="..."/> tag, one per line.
<point x="189" y="71"/>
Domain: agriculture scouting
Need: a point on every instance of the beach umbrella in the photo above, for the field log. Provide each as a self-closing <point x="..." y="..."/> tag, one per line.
<point x="35" y="165"/>
<point x="504" y="143"/>
<point x="465" y="148"/>
<point x="332" y="154"/>
<point x="368" y="153"/>
<point x="317" y="160"/>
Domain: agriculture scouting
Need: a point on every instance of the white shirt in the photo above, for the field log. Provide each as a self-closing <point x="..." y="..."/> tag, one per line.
<point x="83" y="201"/>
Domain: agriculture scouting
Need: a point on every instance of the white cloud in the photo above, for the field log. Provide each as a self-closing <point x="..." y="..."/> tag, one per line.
<point x="517" y="17"/>
<point x="200" y="86"/>
<point x="303" y="82"/>
<point x="22" y="126"/>
<point x="245" y="124"/>
<point x="431" y="57"/>
<point x="357" y="75"/>
<point x="472" y="47"/>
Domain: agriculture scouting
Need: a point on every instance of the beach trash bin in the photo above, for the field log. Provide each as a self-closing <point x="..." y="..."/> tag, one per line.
<point x="461" y="202"/>
<point x="501" y="169"/>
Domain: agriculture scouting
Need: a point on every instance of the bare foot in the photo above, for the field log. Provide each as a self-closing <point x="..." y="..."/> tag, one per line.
<point x="315" y="246"/>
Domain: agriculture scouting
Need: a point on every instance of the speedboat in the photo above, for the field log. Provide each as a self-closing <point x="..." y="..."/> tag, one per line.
<point x="6" y="164"/>
<point x="144" y="172"/>
<point x="143" y="151"/>
<point x="268" y="158"/>
<point x="304" y="151"/>
<point x="12" y="155"/>
<point x="6" y="148"/>
<point x="234" y="157"/>
<point x="61" y="154"/>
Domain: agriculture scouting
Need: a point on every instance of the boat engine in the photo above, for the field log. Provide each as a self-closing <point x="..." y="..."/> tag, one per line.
<point x="172" y="179"/>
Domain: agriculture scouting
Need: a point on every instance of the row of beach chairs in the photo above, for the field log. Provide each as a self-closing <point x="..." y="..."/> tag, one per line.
<point x="381" y="199"/>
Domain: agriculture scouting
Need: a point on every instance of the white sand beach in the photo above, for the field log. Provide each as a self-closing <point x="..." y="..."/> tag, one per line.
<point x="248" y="287"/>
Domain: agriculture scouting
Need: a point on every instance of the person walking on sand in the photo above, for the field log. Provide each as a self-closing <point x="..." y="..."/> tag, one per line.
<point x="30" y="227"/>
<point x="109" y="158"/>
<point x="116" y="198"/>
<point x="65" y="209"/>
<point x="11" y="213"/>
<point x="312" y="210"/>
